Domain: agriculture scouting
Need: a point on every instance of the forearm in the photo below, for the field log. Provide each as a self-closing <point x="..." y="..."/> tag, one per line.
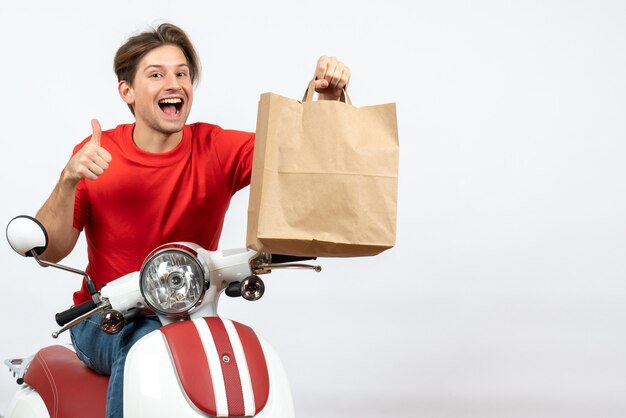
<point x="57" y="216"/>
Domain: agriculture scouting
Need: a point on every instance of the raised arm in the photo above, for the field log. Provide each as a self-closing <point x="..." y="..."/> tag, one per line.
<point x="57" y="213"/>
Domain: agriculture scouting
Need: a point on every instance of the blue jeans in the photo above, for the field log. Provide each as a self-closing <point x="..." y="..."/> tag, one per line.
<point x="106" y="354"/>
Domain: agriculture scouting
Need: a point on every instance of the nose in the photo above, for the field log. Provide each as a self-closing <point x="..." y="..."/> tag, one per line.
<point x="172" y="82"/>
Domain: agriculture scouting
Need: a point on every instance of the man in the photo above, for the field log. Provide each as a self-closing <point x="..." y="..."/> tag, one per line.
<point x="141" y="185"/>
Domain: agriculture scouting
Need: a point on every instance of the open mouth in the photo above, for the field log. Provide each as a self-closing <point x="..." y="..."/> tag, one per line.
<point x="172" y="106"/>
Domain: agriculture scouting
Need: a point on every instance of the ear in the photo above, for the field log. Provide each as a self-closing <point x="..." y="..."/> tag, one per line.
<point x="126" y="92"/>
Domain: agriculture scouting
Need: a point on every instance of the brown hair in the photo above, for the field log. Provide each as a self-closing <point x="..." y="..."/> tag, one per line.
<point x="136" y="47"/>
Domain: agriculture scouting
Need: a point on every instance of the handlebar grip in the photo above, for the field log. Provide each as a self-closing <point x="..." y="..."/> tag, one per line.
<point x="74" y="312"/>
<point x="283" y="258"/>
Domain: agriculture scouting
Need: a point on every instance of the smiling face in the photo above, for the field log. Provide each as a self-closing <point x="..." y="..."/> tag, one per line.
<point x="161" y="93"/>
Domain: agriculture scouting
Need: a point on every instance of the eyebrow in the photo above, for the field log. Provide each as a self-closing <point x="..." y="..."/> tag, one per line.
<point x="163" y="66"/>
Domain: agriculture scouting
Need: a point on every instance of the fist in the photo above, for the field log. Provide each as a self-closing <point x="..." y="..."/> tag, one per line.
<point x="91" y="160"/>
<point x="332" y="76"/>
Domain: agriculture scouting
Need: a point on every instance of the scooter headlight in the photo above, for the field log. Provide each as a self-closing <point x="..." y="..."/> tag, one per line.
<point x="172" y="280"/>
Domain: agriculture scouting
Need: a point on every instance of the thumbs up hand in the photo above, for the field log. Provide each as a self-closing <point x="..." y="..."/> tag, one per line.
<point x="91" y="160"/>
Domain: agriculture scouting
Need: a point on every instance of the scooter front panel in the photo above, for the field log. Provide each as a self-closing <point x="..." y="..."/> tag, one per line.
<point x="151" y="386"/>
<point x="240" y="387"/>
<point x="256" y="364"/>
<point x="155" y="383"/>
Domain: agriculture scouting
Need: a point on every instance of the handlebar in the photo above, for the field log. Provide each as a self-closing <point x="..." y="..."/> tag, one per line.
<point x="74" y="312"/>
<point x="282" y="258"/>
<point x="266" y="262"/>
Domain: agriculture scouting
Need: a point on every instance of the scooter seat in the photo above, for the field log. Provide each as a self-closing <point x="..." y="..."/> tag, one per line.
<point x="67" y="386"/>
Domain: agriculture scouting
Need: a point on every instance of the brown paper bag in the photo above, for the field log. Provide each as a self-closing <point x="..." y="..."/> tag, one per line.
<point x="324" y="177"/>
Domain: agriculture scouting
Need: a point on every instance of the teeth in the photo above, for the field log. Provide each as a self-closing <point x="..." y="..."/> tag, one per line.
<point x="170" y="101"/>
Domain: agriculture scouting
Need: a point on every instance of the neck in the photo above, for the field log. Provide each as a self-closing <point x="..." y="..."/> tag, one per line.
<point x="153" y="141"/>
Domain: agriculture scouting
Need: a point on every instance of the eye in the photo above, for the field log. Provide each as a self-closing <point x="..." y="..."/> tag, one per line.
<point x="181" y="74"/>
<point x="155" y="75"/>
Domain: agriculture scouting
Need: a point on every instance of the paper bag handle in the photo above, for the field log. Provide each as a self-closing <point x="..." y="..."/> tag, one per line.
<point x="308" y="94"/>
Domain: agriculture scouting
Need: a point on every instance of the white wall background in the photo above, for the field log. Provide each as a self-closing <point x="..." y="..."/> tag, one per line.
<point x="504" y="296"/>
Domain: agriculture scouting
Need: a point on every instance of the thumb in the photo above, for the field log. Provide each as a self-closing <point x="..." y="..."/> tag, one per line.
<point x="321" y="84"/>
<point x="97" y="131"/>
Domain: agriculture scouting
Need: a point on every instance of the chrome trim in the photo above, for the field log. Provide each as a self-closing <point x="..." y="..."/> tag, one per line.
<point x="175" y="247"/>
<point x="267" y="268"/>
<point x="19" y="366"/>
<point x="90" y="284"/>
<point x="172" y="245"/>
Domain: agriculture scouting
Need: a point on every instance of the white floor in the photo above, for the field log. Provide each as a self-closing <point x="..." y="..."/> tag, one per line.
<point x="457" y="408"/>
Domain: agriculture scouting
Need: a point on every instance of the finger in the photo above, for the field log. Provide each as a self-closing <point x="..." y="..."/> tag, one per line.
<point x="320" y="68"/>
<point x="321" y="84"/>
<point x="94" y="168"/>
<point x="84" y="172"/>
<point x="345" y="77"/>
<point x="92" y="158"/>
<point x="342" y="80"/>
<point x="99" y="161"/>
<point x="88" y="175"/>
<point x="104" y="154"/>
<point x="337" y="75"/>
<point x="331" y="68"/>
<point x="324" y="73"/>
<point x="97" y="131"/>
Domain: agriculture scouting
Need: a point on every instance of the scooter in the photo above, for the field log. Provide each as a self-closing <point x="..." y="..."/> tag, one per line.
<point x="196" y="365"/>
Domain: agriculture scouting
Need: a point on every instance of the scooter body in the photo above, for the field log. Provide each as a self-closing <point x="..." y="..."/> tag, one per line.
<point x="153" y="387"/>
<point x="151" y="371"/>
<point x="196" y="365"/>
<point x="27" y="403"/>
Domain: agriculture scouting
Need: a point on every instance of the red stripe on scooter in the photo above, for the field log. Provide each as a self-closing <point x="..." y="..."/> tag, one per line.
<point x="232" y="379"/>
<point x="256" y="365"/>
<point x="191" y="364"/>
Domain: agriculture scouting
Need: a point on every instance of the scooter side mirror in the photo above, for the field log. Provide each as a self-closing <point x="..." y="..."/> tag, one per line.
<point x="26" y="234"/>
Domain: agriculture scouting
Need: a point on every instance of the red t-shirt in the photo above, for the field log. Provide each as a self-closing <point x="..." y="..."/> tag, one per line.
<point x="145" y="199"/>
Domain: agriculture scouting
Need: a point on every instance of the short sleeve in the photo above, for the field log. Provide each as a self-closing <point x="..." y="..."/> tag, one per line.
<point x="235" y="152"/>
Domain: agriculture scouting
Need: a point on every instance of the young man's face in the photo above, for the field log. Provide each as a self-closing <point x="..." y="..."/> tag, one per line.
<point x="162" y="91"/>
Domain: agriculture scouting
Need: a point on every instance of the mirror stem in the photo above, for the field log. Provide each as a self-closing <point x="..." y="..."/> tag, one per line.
<point x="90" y="284"/>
